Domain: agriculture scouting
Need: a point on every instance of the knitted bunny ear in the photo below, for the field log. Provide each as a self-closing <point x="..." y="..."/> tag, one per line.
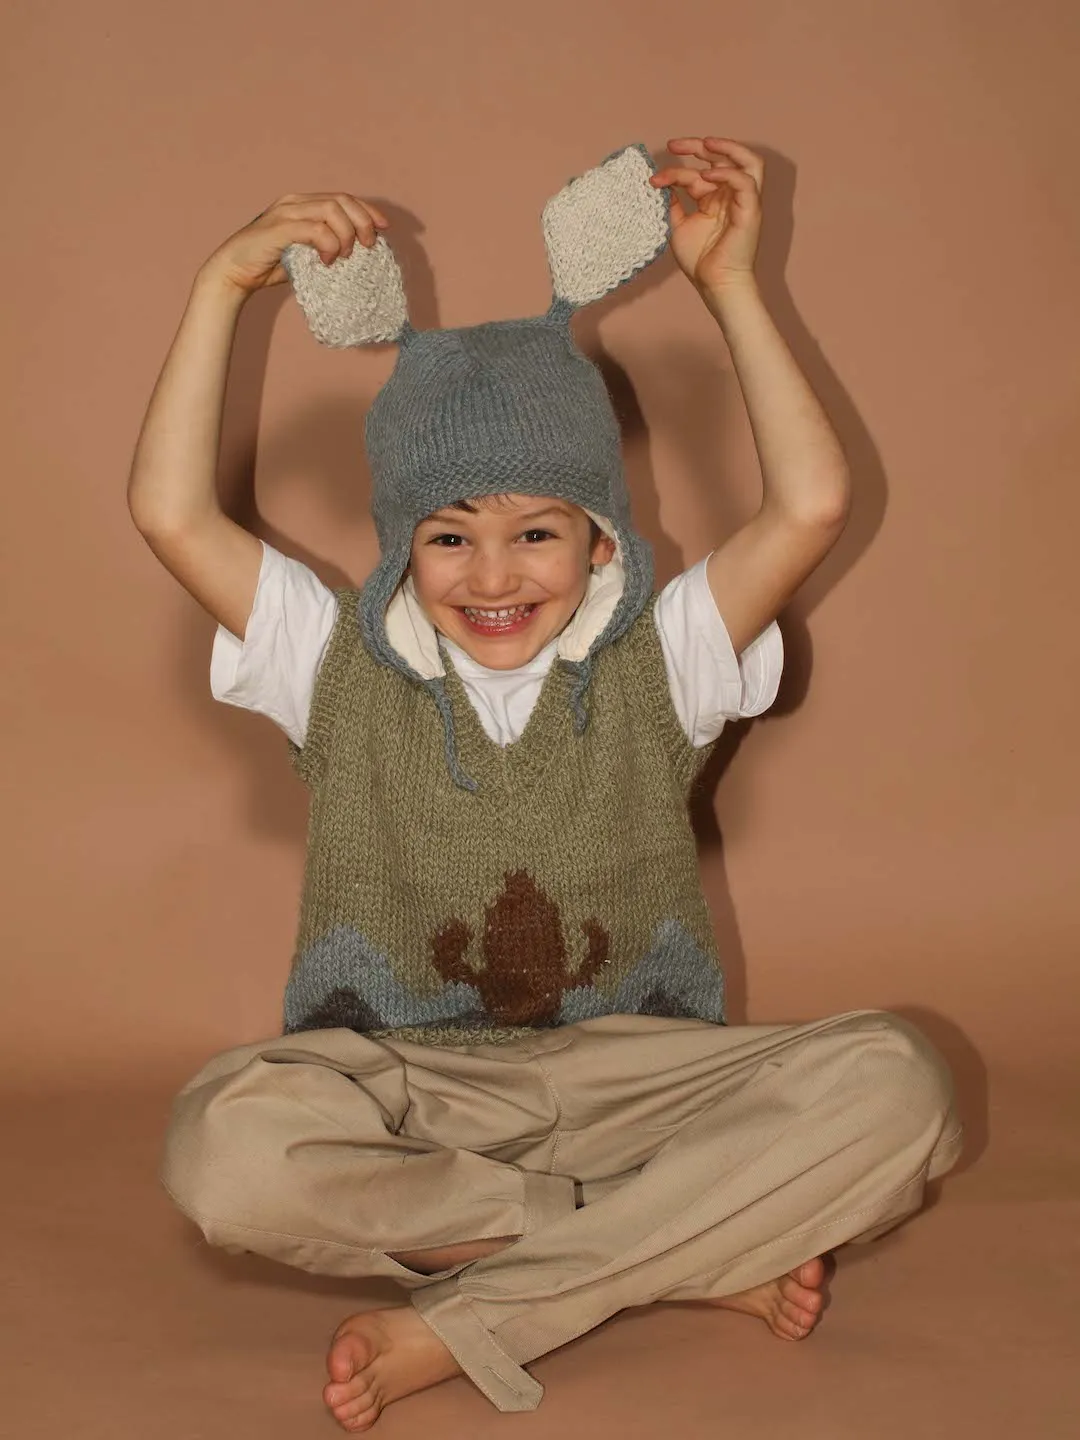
<point x="605" y="226"/>
<point x="357" y="300"/>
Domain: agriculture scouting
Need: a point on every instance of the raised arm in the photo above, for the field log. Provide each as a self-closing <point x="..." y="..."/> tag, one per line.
<point x="172" y="489"/>
<point x="805" y="478"/>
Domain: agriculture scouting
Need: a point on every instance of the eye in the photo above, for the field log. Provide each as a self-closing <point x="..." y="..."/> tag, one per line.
<point x="535" y="536"/>
<point x="448" y="539"/>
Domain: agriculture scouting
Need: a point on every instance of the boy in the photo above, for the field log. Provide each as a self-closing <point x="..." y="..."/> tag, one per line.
<point x="505" y="1080"/>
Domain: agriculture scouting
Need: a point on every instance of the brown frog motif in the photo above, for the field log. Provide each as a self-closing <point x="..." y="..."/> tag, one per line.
<point x="525" y="962"/>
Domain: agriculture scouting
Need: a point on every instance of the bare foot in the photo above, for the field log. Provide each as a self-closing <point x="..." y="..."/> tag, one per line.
<point x="380" y="1356"/>
<point x="791" y="1305"/>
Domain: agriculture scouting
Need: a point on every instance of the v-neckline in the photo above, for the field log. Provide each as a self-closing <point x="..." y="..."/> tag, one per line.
<point x="504" y="770"/>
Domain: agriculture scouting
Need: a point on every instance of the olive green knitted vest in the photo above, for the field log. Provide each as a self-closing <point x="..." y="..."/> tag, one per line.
<point x="564" y="887"/>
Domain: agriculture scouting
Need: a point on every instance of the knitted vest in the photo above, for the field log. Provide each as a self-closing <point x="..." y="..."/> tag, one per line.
<point x="564" y="887"/>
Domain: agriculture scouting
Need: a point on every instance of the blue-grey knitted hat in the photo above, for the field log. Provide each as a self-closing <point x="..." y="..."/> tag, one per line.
<point x="510" y="406"/>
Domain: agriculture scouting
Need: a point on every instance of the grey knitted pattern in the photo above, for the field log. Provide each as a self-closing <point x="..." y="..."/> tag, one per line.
<point x="509" y="406"/>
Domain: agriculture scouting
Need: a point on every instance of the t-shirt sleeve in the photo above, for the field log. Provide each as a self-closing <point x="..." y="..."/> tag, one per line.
<point x="272" y="670"/>
<point x="709" y="683"/>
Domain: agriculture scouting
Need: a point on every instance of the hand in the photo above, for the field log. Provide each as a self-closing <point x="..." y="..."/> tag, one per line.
<point x="715" y="244"/>
<point x="250" y="260"/>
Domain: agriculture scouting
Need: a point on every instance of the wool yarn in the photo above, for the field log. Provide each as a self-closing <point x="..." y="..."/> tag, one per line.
<point x="565" y="888"/>
<point x="509" y="406"/>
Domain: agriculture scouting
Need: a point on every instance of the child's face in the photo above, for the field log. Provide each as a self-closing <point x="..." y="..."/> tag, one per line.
<point x="504" y="577"/>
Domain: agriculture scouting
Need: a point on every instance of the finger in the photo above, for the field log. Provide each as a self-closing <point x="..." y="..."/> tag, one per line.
<point x="734" y="188"/>
<point x="690" y="180"/>
<point x="349" y="221"/>
<point x="694" y="145"/>
<point x="685" y="145"/>
<point x="295" y="208"/>
<point x="710" y="146"/>
<point x="378" y="218"/>
<point x="742" y="188"/>
<point x="333" y="214"/>
<point x="747" y="158"/>
<point x="365" y="220"/>
<point x="347" y="215"/>
<point x="341" y="196"/>
<point x="321" y="237"/>
<point x="730" y="175"/>
<point x="689" y="147"/>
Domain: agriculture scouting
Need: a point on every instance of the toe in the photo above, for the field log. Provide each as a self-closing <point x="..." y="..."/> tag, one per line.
<point x="802" y="1319"/>
<point x="811" y="1274"/>
<point x="340" y="1362"/>
<point x="348" y="1355"/>
<point x="798" y="1294"/>
<point x="354" y="1409"/>
<point x="352" y="1390"/>
<point x="787" y="1328"/>
<point x="352" y="1419"/>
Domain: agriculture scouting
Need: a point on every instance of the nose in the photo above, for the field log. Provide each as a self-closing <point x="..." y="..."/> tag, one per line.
<point x="492" y="576"/>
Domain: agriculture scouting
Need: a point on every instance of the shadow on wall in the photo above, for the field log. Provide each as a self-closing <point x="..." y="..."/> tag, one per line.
<point x="326" y="445"/>
<point x="970" y="1079"/>
<point x="867" y="515"/>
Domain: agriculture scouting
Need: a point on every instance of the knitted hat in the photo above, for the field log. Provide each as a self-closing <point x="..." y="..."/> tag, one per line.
<point x="510" y="406"/>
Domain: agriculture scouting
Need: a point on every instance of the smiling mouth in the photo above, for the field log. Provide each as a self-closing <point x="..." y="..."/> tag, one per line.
<point x="504" y="621"/>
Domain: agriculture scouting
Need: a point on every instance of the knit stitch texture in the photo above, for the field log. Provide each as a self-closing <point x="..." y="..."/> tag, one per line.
<point x="509" y="406"/>
<point x="564" y="888"/>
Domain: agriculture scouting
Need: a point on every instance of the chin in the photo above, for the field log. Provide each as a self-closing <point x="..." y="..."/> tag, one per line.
<point x="499" y="654"/>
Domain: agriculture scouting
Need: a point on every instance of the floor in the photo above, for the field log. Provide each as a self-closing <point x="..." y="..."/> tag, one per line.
<point x="119" y="1320"/>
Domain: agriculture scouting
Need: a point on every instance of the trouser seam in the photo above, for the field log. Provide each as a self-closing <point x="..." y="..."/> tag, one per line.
<point x="471" y="1373"/>
<point x="557" y="1102"/>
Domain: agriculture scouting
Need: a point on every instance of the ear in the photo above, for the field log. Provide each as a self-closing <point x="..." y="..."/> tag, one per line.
<point x="358" y="300"/>
<point x="605" y="226"/>
<point x="603" y="550"/>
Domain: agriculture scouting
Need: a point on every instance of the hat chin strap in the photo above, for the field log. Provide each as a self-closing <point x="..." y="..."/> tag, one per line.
<point x="414" y="637"/>
<point x="602" y="595"/>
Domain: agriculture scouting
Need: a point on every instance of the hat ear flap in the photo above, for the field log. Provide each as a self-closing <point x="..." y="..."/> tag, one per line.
<point x="605" y="226"/>
<point x="359" y="299"/>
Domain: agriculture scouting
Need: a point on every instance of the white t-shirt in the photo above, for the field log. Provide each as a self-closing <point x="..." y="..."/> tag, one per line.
<point x="273" y="670"/>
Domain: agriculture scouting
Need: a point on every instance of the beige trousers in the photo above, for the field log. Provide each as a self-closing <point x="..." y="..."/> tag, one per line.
<point x="638" y="1158"/>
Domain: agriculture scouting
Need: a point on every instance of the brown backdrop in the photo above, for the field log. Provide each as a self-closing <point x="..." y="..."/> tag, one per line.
<point x="903" y="829"/>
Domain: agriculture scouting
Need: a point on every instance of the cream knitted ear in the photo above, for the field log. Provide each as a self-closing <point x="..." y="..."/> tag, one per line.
<point x="606" y="225"/>
<point x="357" y="300"/>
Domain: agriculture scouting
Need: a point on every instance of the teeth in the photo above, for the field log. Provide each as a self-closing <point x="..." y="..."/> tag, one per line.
<point x="477" y="614"/>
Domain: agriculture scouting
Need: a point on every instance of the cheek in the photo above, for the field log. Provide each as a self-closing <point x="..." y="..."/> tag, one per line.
<point x="433" y="570"/>
<point x="561" y="573"/>
<point x="576" y="576"/>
